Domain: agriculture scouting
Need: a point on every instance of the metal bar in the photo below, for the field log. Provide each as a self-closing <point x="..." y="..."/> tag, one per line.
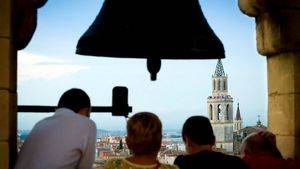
<point x="48" y="109"/>
<point x="38" y="109"/>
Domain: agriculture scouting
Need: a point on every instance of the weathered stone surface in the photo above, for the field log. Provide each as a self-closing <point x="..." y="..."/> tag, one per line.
<point x="4" y="155"/>
<point x="4" y="115"/>
<point x="297" y="118"/>
<point x="8" y="83"/>
<point x="8" y="113"/>
<point x="277" y="33"/>
<point x="8" y="65"/>
<point x="297" y="148"/>
<point x="283" y="110"/>
<point x="277" y="24"/>
<point x="284" y="94"/>
<point x="255" y="7"/>
<point x="284" y="73"/>
<point x="284" y="99"/>
<point x="288" y="145"/>
<point x="13" y="129"/>
<point x="5" y="18"/>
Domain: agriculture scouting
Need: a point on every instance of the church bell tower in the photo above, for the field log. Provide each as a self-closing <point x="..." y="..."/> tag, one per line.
<point x="220" y="110"/>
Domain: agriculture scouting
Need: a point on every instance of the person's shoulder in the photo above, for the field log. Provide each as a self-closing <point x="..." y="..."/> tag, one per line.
<point x="91" y="124"/>
<point x="112" y="163"/>
<point x="231" y="157"/>
<point x="179" y="159"/>
<point x="85" y="121"/>
<point x="42" y="124"/>
<point x="168" y="166"/>
<point x="235" y="161"/>
<point x="182" y="161"/>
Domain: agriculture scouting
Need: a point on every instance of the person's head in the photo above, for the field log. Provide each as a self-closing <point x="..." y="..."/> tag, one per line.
<point x="144" y="134"/>
<point x="260" y="143"/>
<point x="198" y="131"/>
<point x="76" y="100"/>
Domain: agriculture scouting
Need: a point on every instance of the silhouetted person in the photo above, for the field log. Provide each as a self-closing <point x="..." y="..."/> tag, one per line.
<point x="259" y="151"/>
<point x="65" y="140"/>
<point x="199" y="139"/>
<point x="144" y="135"/>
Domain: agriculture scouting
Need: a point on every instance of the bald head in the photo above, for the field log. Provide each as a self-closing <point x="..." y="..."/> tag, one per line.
<point x="260" y="143"/>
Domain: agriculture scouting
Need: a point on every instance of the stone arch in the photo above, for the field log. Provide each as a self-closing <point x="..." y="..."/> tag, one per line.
<point x="210" y="112"/>
<point x="219" y="112"/>
<point x="227" y="112"/>
<point x="219" y="84"/>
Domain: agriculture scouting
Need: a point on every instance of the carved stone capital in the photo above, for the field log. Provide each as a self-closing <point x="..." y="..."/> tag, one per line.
<point x="277" y="24"/>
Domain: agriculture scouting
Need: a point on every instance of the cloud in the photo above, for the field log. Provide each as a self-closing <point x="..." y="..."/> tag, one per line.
<point x="37" y="67"/>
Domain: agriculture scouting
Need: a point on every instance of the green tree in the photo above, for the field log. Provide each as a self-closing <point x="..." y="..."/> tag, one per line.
<point x="120" y="146"/>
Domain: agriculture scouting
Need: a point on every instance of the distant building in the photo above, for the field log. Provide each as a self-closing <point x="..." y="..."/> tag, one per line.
<point x="229" y="132"/>
<point x="168" y="156"/>
<point x="239" y="135"/>
<point x="220" y="110"/>
<point x="237" y="122"/>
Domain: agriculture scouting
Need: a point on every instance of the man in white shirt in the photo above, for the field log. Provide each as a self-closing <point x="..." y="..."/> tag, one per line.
<point x="65" y="140"/>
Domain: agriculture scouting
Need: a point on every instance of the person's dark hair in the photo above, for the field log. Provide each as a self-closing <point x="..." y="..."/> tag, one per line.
<point x="199" y="130"/>
<point x="74" y="99"/>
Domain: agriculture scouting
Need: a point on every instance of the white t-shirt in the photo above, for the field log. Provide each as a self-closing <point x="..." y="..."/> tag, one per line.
<point x="65" y="140"/>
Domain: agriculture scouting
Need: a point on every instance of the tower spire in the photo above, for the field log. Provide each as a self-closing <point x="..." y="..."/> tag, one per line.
<point x="238" y="113"/>
<point x="219" y="69"/>
<point x="258" y="123"/>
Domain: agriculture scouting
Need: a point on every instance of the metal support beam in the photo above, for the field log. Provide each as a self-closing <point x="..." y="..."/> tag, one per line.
<point x="49" y="109"/>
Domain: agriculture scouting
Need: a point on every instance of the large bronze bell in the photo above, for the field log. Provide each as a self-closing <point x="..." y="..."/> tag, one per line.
<point x="151" y="29"/>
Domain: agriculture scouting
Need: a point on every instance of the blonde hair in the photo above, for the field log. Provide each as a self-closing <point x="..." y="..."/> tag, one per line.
<point x="144" y="133"/>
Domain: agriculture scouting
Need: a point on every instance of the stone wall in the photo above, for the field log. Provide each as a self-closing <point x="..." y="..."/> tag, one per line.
<point x="8" y="69"/>
<point x="278" y="38"/>
<point x="284" y="101"/>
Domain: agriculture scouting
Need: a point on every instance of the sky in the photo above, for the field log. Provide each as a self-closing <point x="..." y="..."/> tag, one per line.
<point x="48" y="66"/>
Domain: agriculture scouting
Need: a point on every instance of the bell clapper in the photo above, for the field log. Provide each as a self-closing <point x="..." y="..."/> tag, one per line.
<point x="153" y="66"/>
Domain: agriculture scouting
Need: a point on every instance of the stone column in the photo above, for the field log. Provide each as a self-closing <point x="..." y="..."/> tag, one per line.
<point x="278" y="38"/>
<point x="8" y="76"/>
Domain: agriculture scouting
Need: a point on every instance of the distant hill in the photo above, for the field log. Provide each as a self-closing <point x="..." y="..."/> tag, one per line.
<point x="102" y="133"/>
